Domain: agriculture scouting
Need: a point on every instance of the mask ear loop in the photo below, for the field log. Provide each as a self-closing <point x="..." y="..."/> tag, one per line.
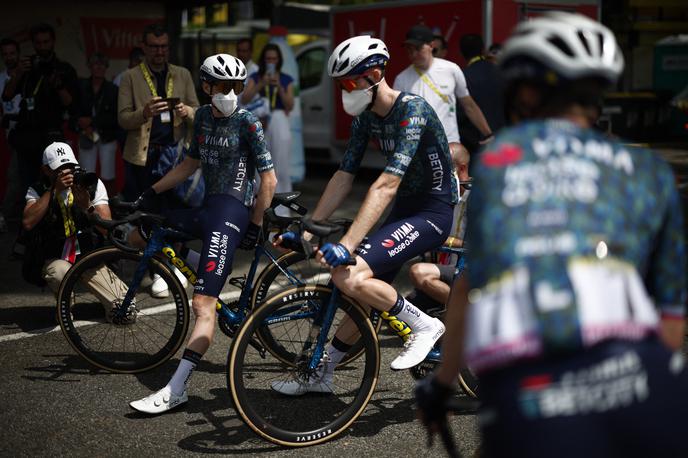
<point x="373" y="88"/>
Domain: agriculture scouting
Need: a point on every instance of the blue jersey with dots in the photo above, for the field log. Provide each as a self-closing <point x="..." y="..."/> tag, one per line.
<point x="412" y="139"/>
<point x="230" y="149"/>
<point x="574" y="238"/>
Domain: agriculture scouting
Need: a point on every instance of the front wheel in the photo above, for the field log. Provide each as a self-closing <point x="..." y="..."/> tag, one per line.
<point x="93" y="319"/>
<point x="256" y="378"/>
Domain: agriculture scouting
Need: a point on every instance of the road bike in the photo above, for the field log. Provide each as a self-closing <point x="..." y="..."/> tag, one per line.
<point x="115" y="323"/>
<point x="309" y="316"/>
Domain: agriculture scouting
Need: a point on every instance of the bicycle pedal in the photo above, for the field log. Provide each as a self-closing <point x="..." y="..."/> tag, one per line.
<point x="238" y="282"/>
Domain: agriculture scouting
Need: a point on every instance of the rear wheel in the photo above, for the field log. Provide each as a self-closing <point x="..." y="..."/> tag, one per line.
<point x="253" y="373"/>
<point x="140" y="338"/>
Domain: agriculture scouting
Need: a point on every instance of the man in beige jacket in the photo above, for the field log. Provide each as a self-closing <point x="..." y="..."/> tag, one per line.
<point x="156" y="106"/>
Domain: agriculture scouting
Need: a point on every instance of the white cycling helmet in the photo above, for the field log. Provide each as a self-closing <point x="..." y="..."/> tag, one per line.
<point x="356" y="55"/>
<point x="222" y="67"/>
<point x="571" y="45"/>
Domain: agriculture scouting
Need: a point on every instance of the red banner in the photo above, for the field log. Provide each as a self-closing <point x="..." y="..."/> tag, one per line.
<point x="114" y="37"/>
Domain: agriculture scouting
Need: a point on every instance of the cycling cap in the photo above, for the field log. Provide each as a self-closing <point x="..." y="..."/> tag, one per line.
<point x="356" y="55"/>
<point x="222" y="67"/>
<point x="570" y="45"/>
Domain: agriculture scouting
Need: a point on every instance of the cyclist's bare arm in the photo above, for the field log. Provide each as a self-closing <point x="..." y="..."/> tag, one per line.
<point x="337" y="189"/>
<point x="671" y="331"/>
<point x="452" y="340"/>
<point x="268" y="184"/>
<point x="378" y="198"/>
<point x="177" y="175"/>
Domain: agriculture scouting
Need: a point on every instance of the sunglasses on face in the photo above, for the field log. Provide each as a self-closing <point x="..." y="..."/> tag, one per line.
<point x="227" y="86"/>
<point x="351" y="84"/>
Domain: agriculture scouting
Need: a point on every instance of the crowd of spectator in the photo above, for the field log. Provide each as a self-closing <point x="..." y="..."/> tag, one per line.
<point x="145" y="114"/>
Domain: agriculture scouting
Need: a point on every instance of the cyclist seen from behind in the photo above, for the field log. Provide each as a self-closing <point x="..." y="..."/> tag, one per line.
<point x="577" y="269"/>
<point x="417" y="181"/>
<point x="228" y="145"/>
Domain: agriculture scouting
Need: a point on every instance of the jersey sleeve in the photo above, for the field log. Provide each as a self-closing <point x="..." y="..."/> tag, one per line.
<point x="256" y="143"/>
<point x="358" y="142"/>
<point x="666" y="272"/>
<point x="410" y="130"/>
<point x="461" y="88"/>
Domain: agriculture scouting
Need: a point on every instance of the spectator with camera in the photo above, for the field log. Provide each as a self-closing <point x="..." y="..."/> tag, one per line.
<point x="48" y="88"/>
<point x="55" y="220"/>
<point x="156" y="103"/>
<point x="97" y="124"/>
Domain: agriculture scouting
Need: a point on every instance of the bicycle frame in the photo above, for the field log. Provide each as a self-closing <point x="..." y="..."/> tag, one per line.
<point x="157" y="244"/>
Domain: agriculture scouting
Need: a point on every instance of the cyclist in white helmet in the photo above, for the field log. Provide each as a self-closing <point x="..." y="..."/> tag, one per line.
<point x="575" y="318"/>
<point x="229" y="147"/>
<point x="417" y="182"/>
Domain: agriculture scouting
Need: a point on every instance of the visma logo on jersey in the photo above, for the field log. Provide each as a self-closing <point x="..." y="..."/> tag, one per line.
<point x="179" y="264"/>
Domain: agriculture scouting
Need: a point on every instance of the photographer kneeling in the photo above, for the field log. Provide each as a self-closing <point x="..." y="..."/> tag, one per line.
<point x="57" y="227"/>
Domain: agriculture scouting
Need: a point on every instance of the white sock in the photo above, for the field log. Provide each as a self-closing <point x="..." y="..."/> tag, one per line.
<point x="183" y="373"/>
<point x="413" y="316"/>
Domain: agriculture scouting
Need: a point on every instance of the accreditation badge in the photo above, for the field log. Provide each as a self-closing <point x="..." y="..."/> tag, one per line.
<point x="165" y="116"/>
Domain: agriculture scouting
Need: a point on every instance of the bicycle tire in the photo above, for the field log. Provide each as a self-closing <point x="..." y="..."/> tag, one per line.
<point x="265" y="284"/>
<point x="153" y="337"/>
<point x="305" y="420"/>
<point x="469" y="382"/>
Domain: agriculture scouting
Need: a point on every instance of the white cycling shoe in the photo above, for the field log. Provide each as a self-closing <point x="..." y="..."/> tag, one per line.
<point x="159" y="287"/>
<point x="160" y="401"/>
<point x="418" y="345"/>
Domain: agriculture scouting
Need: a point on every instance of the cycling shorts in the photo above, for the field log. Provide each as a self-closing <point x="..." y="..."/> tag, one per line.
<point x="412" y="228"/>
<point x="618" y="398"/>
<point x="221" y="224"/>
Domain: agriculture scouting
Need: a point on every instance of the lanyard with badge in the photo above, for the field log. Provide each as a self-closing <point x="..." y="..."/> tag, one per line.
<point x="165" y="116"/>
<point x="273" y="99"/>
<point x="432" y="86"/>
<point x="31" y="101"/>
<point x="71" y="247"/>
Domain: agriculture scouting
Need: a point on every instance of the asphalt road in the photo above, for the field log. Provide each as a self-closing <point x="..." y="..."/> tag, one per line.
<point x="54" y="403"/>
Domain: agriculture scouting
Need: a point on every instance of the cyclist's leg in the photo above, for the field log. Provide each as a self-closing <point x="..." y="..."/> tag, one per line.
<point x="432" y="279"/>
<point x="385" y="252"/>
<point x="223" y="220"/>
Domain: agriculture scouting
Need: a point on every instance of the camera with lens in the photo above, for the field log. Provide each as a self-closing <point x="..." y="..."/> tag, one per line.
<point x="85" y="180"/>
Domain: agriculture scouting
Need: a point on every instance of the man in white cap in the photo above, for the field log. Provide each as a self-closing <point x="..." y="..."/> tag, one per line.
<point x="56" y="223"/>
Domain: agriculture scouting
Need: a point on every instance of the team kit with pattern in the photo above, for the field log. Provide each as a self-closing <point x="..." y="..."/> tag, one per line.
<point x="412" y="139"/>
<point x="230" y="151"/>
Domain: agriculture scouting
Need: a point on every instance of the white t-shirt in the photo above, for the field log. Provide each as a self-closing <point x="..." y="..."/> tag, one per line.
<point x="100" y="198"/>
<point x="448" y="80"/>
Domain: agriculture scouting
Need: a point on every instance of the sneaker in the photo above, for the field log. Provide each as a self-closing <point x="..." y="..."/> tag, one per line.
<point x="298" y="387"/>
<point x="159" y="402"/>
<point x="159" y="287"/>
<point x="418" y="345"/>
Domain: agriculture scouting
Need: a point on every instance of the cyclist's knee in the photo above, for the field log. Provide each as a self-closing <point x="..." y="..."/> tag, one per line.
<point x="423" y="273"/>
<point x="349" y="281"/>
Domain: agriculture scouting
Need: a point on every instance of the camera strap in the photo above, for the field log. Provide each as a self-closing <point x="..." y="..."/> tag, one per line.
<point x="149" y="79"/>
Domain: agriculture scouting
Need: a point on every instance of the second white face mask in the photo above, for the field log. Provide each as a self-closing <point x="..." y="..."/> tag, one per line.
<point x="226" y="104"/>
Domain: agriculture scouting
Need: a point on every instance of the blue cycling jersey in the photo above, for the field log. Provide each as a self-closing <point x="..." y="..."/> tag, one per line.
<point x="575" y="239"/>
<point x="412" y="139"/>
<point x="230" y="150"/>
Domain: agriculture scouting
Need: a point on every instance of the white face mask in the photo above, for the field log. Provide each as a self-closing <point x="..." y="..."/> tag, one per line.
<point x="355" y="102"/>
<point x="226" y="104"/>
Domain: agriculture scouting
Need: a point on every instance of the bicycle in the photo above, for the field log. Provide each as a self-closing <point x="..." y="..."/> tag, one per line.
<point x="140" y="332"/>
<point x="313" y="314"/>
